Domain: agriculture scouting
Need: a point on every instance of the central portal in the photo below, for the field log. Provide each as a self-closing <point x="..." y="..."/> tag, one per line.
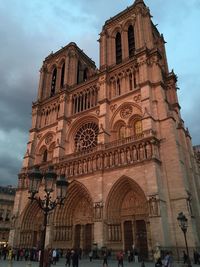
<point x="127" y="210"/>
<point x="83" y="237"/>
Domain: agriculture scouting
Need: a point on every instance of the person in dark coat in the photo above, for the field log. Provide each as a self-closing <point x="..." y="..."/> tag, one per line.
<point x="68" y="258"/>
<point x="75" y="258"/>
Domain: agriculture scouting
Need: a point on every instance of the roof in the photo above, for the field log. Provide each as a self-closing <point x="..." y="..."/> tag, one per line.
<point x="7" y="190"/>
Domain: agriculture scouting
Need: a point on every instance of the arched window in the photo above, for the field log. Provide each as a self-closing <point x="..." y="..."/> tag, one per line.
<point x="122" y="132"/>
<point x="45" y="154"/>
<point x="78" y="72"/>
<point x="130" y="81"/>
<point x="118" y="87"/>
<point x="131" y="41"/>
<point x="85" y="74"/>
<point x="138" y="128"/>
<point x="53" y="82"/>
<point x="62" y="75"/>
<point x="118" y="48"/>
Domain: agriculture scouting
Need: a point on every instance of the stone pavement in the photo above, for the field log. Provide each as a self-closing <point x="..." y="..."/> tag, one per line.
<point x="82" y="263"/>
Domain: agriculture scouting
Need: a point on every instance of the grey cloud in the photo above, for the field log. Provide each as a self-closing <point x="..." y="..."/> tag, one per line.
<point x="9" y="168"/>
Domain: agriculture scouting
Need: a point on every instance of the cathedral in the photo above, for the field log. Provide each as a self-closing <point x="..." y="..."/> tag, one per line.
<point x="117" y="134"/>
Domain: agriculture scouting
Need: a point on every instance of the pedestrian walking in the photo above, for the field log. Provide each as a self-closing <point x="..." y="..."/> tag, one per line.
<point x="75" y="258"/>
<point x="68" y="258"/>
<point x="90" y="255"/>
<point x="120" y="258"/>
<point x="105" y="260"/>
<point x="185" y="257"/>
<point x="54" y="256"/>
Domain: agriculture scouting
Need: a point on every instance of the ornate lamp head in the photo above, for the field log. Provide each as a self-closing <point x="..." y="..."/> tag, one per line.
<point x="61" y="187"/>
<point x="35" y="178"/>
<point x="50" y="178"/>
<point x="183" y="222"/>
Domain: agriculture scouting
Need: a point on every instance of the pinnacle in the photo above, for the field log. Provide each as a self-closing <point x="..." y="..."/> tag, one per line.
<point x="139" y="2"/>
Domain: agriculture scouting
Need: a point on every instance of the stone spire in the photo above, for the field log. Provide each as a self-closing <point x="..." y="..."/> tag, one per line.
<point x="138" y="2"/>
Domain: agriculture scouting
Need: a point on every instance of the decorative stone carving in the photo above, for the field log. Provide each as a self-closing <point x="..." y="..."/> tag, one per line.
<point x="86" y="136"/>
<point x="113" y="107"/>
<point x="126" y="112"/>
<point x="154" y="209"/>
<point x="48" y="139"/>
<point x="137" y="98"/>
<point x="98" y="210"/>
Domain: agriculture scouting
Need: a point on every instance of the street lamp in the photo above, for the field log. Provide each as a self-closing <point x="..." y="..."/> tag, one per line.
<point x="183" y="223"/>
<point x="46" y="204"/>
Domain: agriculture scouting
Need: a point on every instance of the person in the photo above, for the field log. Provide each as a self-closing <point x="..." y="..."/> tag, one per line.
<point x="75" y="258"/>
<point x="196" y="257"/>
<point x="129" y="255"/>
<point x="136" y="256"/>
<point x="68" y="258"/>
<point x="105" y="259"/>
<point x="10" y="254"/>
<point x="168" y="260"/>
<point x="54" y="256"/>
<point x="158" y="263"/>
<point x="120" y="258"/>
<point x="157" y="256"/>
<point x="90" y="255"/>
<point x="185" y="257"/>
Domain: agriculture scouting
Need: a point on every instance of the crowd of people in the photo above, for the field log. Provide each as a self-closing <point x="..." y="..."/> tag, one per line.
<point x="72" y="256"/>
<point x="19" y="254"/>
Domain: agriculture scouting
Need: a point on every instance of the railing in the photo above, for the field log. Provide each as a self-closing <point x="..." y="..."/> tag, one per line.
<point x="111" y="155"/>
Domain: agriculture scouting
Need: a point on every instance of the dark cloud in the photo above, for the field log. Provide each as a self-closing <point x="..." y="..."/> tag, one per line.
<point x="9" y="168"/>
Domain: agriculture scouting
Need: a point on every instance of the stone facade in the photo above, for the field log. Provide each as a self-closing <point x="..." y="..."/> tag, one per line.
<point x="116" y="132"/>
<point x="7" y="196"/>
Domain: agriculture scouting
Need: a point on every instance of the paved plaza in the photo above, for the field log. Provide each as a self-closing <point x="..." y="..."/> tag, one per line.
<point x="82" y="263"/>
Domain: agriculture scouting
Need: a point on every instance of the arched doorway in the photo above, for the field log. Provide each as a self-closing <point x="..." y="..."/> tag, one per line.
<point x="73" y="223"/>
<point x="127" y="217"/>
<point x="31" y="226"/>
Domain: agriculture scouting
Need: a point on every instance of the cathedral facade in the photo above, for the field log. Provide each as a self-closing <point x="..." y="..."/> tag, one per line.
<point x="117" y="134"/>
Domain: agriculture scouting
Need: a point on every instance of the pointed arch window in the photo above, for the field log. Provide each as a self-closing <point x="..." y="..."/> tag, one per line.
<point x="53" y="82"/>
<point x="62" y="75"/>
<point x="85" y="74"/>
<point x="138" y="127"/>
<point x="118" y="48"/>
<point x="122" y="132"/>
<point x="118" y="87"/>
<point x="78" y="72"/>
<point x="45" y="154"/>
<point x="131" y="41"/>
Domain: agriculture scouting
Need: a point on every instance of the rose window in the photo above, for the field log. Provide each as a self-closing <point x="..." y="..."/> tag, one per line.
<point x="86" y="136"/>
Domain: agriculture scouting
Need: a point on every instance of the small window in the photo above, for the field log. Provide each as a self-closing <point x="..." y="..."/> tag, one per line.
<point x="85" y="74"/>
<point x="53" y="82"/>
<point x="130" y="82"/>
<point x="62" y="76"/>
<point x="118" y="48"/>
<point x="78" y="72"/>
<point x="118" y="87"/>
<point x="45" y="154"/>
<point x="131" y="41"/>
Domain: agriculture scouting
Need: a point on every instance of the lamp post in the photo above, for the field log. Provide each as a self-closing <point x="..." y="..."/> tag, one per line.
<point x="46" y="204"/>
<point x="183" y="223"/>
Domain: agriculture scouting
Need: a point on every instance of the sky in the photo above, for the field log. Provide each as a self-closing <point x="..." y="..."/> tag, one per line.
<point x="30" y="30"/>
